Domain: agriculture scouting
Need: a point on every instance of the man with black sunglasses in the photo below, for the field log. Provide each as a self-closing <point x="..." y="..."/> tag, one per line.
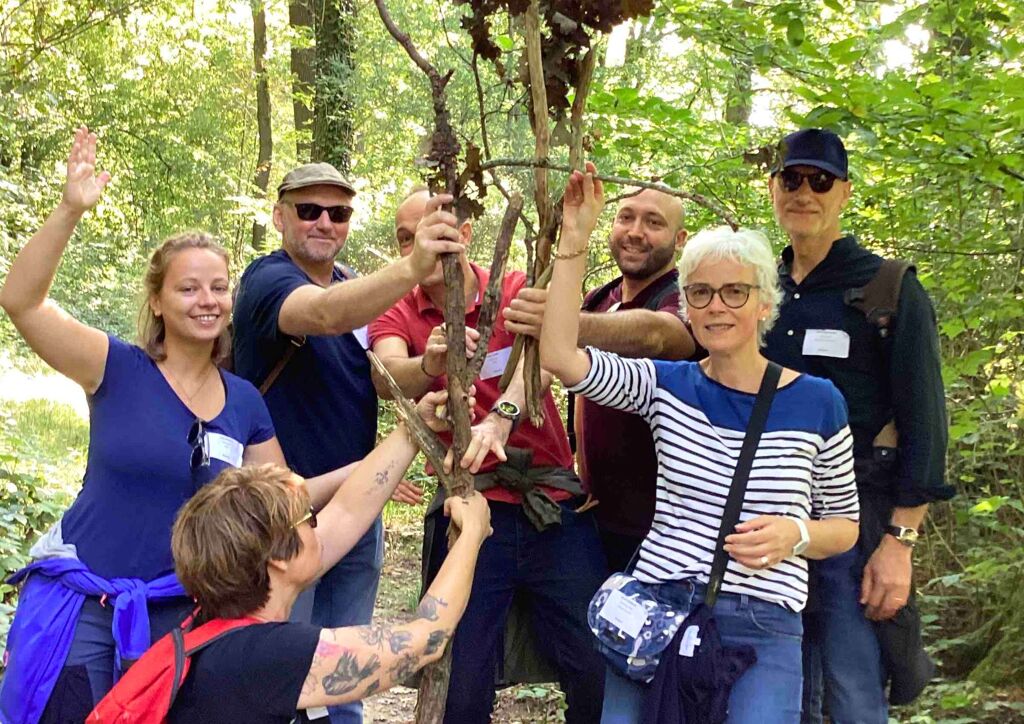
<point x="861" y="627"/>
<point x="299" y="325"/>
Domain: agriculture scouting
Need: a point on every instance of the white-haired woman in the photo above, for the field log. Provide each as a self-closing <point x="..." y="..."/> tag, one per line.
<point x="802" y="475"/>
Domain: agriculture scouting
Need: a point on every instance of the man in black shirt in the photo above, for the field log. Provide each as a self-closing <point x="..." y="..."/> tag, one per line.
<point x="886" y="376"/>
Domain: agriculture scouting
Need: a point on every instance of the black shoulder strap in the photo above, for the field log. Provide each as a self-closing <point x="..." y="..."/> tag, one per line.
<point x="738" y="488"/>
<point x="669" y="284"/>
<point x="878" y="300"/>
<point x="297" y="342"/>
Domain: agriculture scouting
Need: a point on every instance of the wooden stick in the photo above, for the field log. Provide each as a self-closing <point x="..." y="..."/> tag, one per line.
<point x="696" y="198"/>
<point x="492" y="297"/>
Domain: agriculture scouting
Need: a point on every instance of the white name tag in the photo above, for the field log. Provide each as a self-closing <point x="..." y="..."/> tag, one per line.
<point x="362" y="335"/>
<point x="224" y="448"/>
<point x="494" y="363"/>
<point x="316" y="712"/>
<point x="624" y="613"/>
<point x="826" y="343"/>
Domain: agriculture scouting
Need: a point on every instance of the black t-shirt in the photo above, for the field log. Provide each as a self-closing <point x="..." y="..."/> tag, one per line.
<point x="252" y="675"/>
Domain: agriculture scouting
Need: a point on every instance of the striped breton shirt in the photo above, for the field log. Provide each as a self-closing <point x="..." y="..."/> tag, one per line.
<point x="803" y="466"/>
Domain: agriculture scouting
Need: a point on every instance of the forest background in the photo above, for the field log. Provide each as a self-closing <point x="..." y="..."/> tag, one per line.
<point x="202" y="106"/>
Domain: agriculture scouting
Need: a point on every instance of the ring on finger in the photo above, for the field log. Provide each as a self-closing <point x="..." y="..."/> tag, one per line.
<point x="764" y="561"/>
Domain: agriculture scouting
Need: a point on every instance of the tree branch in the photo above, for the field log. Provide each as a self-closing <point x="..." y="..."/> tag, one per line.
<point x="696" y="198"/>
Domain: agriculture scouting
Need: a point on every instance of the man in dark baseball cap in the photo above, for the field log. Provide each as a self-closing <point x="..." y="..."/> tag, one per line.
<point x="297" y="305"/>
<point x="814" y="147"/>
<point x="861" y="627"/>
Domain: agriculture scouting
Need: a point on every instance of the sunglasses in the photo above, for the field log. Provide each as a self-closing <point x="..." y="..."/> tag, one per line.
<point x="310" y="516"/>
<point x="819" y="181"/>
<point x="311" y="212"/>
<point x="733" y="295"/>
<point x="197" y="439"/>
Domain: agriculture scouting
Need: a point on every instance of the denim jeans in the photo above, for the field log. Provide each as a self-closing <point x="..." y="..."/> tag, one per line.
<point x="767" y="693"/>
<point x="345" y="597"/>
<point x="843" y="671"/>
<point x="559" y="569"/>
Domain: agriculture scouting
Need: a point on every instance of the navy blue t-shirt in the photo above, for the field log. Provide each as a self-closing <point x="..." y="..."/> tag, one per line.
<point x="323" y="404"/>
<point x="252" y="675"/>
<point x="138" y="472"/>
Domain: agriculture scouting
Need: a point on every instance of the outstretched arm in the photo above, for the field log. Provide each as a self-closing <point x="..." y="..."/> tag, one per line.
<point x="355" y="662"/>
<point x="559" y="353"/>
<point x="72" y="348"/>
<point x="655" y="334"/>
<point x="343" y="307"/>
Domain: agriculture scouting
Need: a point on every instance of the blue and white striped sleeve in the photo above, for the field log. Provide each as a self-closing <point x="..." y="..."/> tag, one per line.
<point x="833" y="484"/>
<point x="617" y="382"/>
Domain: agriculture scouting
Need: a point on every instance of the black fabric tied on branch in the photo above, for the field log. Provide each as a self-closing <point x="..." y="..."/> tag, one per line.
<point x="517" y="475"/>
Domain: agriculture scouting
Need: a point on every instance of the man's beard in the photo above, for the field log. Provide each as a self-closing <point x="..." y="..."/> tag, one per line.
<point x="657" y="260"/>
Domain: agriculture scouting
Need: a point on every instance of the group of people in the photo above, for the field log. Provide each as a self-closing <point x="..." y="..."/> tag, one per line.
<point x="229" y="494"/>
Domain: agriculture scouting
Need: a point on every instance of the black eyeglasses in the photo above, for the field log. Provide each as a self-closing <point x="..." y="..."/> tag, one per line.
<point x="197" y="439"/>
<point x="310" y="516"/>
<point x="311" y="212"/>
<point x="819" y="181"/>
<point x="733" y="295"/>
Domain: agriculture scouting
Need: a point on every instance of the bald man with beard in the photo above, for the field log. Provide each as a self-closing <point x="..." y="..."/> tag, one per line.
<point x="635" y="315"/>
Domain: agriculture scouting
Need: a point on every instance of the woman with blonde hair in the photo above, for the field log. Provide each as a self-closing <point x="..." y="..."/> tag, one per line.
<point x="164" y="421"/>
<point x="800" y="500"/>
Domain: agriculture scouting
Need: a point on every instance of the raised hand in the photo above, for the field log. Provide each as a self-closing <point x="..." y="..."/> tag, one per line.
<point x="84" y="186"/>
<point x="581" y="205"/>
<point x="435" y="358"/>
<point x="436" y="234"/>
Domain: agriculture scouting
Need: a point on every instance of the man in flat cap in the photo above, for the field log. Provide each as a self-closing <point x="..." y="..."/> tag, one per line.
<point x="866" y="324"/>
<point x="300" y="331"/>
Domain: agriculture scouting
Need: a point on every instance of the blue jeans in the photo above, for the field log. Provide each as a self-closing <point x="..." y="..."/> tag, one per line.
<point x="345" y="597"/>
<point x="844" y="675"/>
<point x="559" y="569"/>
<point x="767" y="693"/>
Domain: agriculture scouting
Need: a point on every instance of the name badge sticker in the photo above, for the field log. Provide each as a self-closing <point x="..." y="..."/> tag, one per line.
<point x="362" y="336"/>
<point x="826" y="343"/>
<point x="624" y="613"/>
<point x="494" y="363"/>
<point x="224" y="448"/>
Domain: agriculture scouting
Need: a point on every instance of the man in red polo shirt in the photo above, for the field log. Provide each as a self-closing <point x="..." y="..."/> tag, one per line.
<point x="540" y="546"/>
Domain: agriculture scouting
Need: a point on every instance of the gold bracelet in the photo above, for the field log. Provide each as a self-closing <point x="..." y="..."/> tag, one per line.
<point x="573" y="255"/>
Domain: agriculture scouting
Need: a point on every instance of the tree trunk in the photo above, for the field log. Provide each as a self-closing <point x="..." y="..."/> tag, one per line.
<point x="266" y="146"/>
<point x="303" y="60"/>
<point x="332" y="106"/>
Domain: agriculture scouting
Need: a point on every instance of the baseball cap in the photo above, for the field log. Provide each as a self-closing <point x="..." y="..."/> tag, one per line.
<point x="813" y="147"/>
<point x="314" y="174"/>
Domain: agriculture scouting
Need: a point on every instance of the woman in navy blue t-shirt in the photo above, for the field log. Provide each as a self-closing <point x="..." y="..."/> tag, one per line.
<point x="164" y="420"/>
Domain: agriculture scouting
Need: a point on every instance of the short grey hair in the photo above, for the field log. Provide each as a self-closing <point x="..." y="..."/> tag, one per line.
<point x="745" y="246"/>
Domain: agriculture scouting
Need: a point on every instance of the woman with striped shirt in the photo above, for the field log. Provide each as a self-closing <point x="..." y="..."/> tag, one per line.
<point x="801" y="499"/>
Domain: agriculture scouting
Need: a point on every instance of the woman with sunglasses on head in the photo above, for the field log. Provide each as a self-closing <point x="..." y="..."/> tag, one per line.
<point x="800" y="502"/>
<point x="164" y="420"/>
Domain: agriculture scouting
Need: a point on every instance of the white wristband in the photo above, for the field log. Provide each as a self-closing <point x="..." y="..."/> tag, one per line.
<point x="805" y="536"/>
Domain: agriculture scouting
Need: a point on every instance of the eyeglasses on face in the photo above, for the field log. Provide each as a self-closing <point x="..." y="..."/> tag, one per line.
<point x="820" y="181"/>
<point x="733" y="295"/>
<point x="310" y="516"/>
<point x="311" y="212"/>
<point x="197" y="439"/>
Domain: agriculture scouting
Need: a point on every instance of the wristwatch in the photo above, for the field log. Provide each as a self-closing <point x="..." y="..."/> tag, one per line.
<point x="805" y="537"/>
<point x="509" y="410"/>
<point x="906" y="536"/>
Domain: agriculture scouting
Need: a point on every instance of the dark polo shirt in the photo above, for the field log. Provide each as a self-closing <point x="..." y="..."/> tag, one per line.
<point x="905" y="384"/>
<point x="617" y="460"/>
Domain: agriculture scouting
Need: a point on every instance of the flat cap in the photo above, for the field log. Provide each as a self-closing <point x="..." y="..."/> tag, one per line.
<point x="314" y="174"/>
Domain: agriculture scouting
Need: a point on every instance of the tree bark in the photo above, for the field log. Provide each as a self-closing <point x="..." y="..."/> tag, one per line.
<point x="303" y="63"/>
<point x="266" y="146"/>
<point x="333" y="127"/>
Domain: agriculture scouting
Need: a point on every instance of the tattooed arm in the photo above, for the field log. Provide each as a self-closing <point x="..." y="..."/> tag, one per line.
<point x="354" y="662"/>
<point x="355" y="505"/>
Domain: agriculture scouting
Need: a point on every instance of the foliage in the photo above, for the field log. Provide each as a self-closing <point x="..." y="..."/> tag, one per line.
<point x="929" y="97"/>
